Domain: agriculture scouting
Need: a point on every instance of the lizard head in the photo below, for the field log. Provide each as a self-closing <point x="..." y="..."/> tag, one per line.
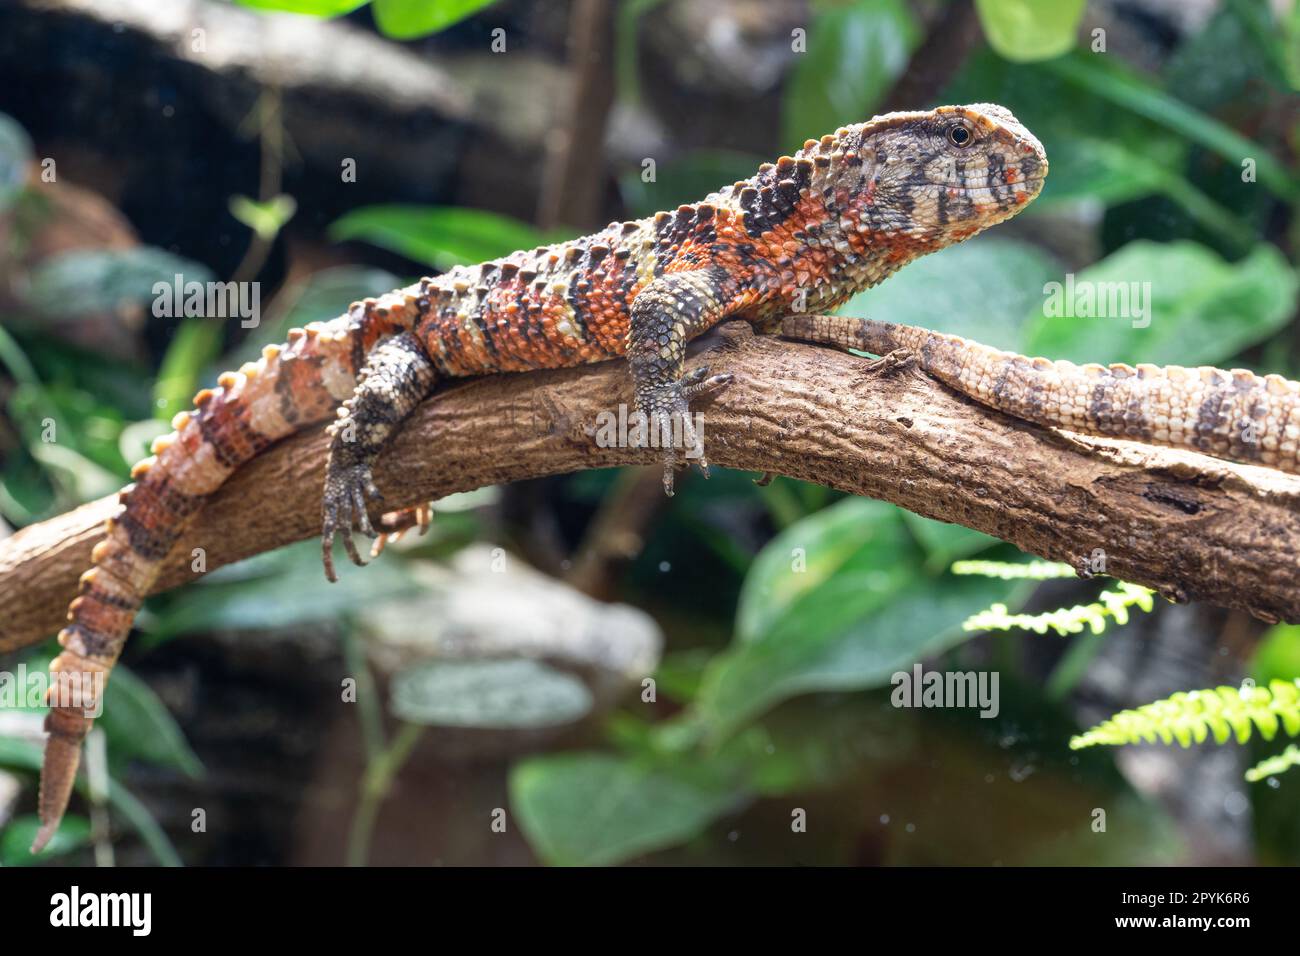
<point x="940" y="176"/>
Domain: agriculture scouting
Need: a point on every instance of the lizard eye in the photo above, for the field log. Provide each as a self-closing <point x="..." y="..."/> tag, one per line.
<point x="959" y="136"/>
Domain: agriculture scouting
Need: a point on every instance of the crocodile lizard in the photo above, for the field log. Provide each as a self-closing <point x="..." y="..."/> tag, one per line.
<point x="800" y="236"/>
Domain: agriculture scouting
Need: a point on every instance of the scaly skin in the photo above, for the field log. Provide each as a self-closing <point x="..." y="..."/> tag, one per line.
<point x="803" y="234"/>
<point x="1236" y="415"/>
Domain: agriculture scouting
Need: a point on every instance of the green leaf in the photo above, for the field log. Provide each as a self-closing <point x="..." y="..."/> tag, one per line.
<point x="848" y="548"/>
<point x="442" y="237"/>
<point x="408" y="19"/>
<point x="1277" y="656"/>
<point x="312" y="8"/>
<point x="977" y="289"/>
<point x="1028" y="30"/>
<point x="138" y="725"/>
<point x="590" y="809"/>
<point x="16" y="841"/>
<point x="923" y="618"/>
<point x="84" y="478"/>
<point x="1123" y="87"/>
<point x="492" y="693"/>
<point x="1202" y="310"/>
<point x="192" y="349"/>
<point x="855" y="52"/>
<point x="15" y="158"/>
<point x="838" y="601"/>
<point x="264" y="218"/>
<point x="86" y="281"/>
<point x="277" y="589"/>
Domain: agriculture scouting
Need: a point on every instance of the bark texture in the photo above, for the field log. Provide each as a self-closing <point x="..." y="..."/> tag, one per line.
<point x="1192" y="527"/>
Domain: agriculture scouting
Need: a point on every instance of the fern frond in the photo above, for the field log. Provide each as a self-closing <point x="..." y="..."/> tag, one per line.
<point x="1007" y="571"/>
<point x="1192" y="716"/>
<point x="1279" y="763"/>
<point x="1110" y="605"/>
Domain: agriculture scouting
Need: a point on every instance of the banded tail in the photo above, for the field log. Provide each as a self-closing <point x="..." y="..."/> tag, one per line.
<point x="291" y="387"/>
<point x="1236" y="415"/>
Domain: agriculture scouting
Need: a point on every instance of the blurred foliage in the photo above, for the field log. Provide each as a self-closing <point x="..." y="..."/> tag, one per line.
<point x="441" y="237"/>
<point x="398" y="19"/>
<point x="789" y="608"/>
<point x="1025" y="30"/>
<point x="855" y="53"/>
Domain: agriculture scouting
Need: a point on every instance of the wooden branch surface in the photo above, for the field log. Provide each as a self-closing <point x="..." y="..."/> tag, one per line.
<point x="1189" y="526"/>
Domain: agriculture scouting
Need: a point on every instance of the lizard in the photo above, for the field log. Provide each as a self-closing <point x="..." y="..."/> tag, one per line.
<point x="800" y="236"/>
<point x="804" y="233"/>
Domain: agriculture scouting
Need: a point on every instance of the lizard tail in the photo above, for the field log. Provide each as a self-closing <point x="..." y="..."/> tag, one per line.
<point x="289" y="388"/>
<point x="1236" y="415"/>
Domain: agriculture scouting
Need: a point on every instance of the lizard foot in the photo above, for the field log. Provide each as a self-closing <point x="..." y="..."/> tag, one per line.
<point x="394" y="525"/>
<point x="668" y="413"/>
<point x="346" y="491"/>
<point x="896" y="361"/>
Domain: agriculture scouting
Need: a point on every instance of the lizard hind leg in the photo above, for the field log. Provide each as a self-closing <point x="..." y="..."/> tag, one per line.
<point x="397" y="376"/>
<point x="665" y="316"/>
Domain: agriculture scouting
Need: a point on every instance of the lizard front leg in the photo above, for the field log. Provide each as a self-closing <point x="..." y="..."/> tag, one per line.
<point x="397" y="376"/>
<point x="667" y="314"/>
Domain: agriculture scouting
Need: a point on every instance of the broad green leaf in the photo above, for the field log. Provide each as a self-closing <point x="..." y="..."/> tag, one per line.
<point x="493" y="693"/>
<point x="977" y="289"/>
<point x="440" y="236"/>
<point x="312" y="8"/>
<point x="408" y="19"/>
<point x="591" y="809"/>
<point x="856" y="548"/>
<point x="1028" y="30"/>
<point x="85" y="281"/>
<point x="686" y="179"/>
<point x="15" y="158"/>
<point x="855" y="52"/>
<point x="16" y="840"/>
<point x="138" y="725"/>
<point x="264" y="218"/>
<point x="1201" y="309"/>
<point x="860" y="650"/>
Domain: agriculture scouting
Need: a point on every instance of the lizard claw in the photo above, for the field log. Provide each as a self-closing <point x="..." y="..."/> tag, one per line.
<point x="344" y="501"/>
<point x="394" y="525"/>
<point x="668" y="410"/>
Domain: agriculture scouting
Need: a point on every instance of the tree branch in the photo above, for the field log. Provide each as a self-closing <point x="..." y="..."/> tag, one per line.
<point x="1191" y="527"/>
